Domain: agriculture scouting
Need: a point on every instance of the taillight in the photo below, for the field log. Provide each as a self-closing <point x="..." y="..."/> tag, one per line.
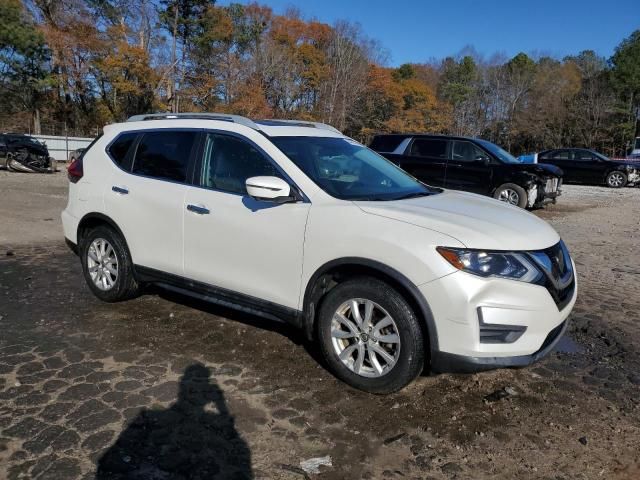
<point x="74" y="170"/>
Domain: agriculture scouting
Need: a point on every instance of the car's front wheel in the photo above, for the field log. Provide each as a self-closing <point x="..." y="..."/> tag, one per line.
<point x="107" y="265"/>
<point x="512" y="194"/>
<point x="616" y="179"/>
<point x="370" y="337"/>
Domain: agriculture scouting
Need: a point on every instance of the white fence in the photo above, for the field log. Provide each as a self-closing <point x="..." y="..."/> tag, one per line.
<point x="60" y="147"/>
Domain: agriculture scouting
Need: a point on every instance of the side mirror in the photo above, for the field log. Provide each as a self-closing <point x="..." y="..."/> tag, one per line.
<point x="270" y="189"/>
<point x="484" y="160"/>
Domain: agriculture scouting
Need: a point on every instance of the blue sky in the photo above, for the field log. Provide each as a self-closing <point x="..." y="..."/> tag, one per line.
<point x="415" y="31"/>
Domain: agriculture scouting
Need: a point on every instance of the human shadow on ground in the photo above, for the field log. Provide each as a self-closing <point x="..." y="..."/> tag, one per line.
<point x="195" y="438"/>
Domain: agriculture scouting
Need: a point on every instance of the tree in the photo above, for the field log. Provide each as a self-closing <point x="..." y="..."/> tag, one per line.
<point x="459" y="87"/>
<point x="348" y="63"/>
<point x="181" y="18"/>
<point x="625" y="75"/>
<point x="546" y="120"/>
<point x="124" y="77"/>
<point x="24" y="75"/>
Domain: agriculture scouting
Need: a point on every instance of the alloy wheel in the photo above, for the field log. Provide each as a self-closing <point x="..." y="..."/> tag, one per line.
<point x="510" y="196"/>
<point x="365" y="337"/>
<point x="102" y="263"/>
<point x="616" y="179"/>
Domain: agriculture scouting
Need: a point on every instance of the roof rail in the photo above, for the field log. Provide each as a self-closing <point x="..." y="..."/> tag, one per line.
<point x="298" y="123"/>
<point x="224" y="117"/>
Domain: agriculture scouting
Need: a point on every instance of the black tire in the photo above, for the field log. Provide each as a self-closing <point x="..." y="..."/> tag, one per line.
<point x="512" y="187"/>
<point x="410" y="361"/>
<point x="613" y="179"/>
<point x="125" y="286"/>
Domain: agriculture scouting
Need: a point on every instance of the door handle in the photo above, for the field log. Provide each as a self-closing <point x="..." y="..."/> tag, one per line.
<point x="199" y="209"/>
<point x="120" y="190"/>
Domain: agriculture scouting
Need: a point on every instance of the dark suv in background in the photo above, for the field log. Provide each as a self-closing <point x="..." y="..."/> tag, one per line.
<point x="472" y="165"/>
<point x="581" y="165"/>
<point x="22" y="153"/>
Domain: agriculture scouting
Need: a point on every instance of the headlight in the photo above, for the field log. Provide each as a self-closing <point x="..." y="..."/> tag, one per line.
<point x="514" y="266"/>
<point x="629" y="168"/>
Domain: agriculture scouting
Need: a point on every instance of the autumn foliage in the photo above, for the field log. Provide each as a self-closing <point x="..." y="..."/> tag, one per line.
<point x="86" y="63"/>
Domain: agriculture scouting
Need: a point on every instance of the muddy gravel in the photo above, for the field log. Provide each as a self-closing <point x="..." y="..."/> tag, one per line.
<point x="163" y="387"/>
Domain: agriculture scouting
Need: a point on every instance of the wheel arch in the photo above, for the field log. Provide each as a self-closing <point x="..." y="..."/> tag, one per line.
<point x="335" y="271"/>
<point x="615" y="169"/>
<point x="94" y="219"/>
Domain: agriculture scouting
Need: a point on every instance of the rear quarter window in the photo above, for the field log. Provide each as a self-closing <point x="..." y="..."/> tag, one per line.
<point x="119" y="149"/>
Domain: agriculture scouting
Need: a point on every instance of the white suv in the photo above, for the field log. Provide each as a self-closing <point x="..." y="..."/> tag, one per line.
<point x="295" y="221"/>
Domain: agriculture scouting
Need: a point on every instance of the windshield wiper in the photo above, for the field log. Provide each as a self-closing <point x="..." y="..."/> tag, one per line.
<point x="370" y="199"/>
<point x="391" y="199"/>
<point x="414" y="195"/>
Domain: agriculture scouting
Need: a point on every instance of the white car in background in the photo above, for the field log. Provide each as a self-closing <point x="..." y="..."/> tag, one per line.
<point x="295" y="221"/>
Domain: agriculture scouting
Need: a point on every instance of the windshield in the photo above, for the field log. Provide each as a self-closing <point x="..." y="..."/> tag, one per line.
<point x="24" y="139"/>
<point x="502" y="154"/>
<point x="348" y="170"/>
<point x="599" y="155"/>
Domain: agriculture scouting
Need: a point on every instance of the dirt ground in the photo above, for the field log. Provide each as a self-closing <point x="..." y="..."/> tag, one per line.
<point x="165" y="384"/>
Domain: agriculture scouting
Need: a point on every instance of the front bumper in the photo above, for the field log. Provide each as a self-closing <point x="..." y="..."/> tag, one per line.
<point x="548" y="191"/>
<point x="633" y="178"/>
<point x="492" y="323"/>
<point x="445" y="362"/>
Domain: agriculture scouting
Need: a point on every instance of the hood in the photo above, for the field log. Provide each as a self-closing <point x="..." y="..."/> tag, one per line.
<point x="38" y="150"/>
<point x="474" y="220"/>
<point x="543" y="169"/>
<point x="623" y="163"/>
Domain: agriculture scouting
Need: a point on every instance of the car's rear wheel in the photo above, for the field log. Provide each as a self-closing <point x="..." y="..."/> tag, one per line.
<point x="512" y="194"/>
<point x="369" y="335"/>
<point x="107" y="265"/>
<point x="616" y="179"/>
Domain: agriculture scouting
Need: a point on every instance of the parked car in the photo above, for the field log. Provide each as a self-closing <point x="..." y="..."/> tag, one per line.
<point x="528" y="158"/>
<point x="75" y="154"/>
<point x="472" y="165"/>
<point x="581" y="165"/>
<point x="22" y="153"/>
<point x="294" y="221"/>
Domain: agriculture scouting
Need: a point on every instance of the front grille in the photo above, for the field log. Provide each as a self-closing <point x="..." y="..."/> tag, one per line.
<point x="559" y="279"/>
<point x="563" y="296"/>
<point x="551" y="185"/>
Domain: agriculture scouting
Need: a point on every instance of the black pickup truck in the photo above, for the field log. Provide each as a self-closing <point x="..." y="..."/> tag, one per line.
<point x="472" y="165"/>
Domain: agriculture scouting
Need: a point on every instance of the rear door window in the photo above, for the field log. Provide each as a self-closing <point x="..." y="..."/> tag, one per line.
<point x="583" y="155"/>
<point x="164" y="154"/>
<point x="430" y="147"/>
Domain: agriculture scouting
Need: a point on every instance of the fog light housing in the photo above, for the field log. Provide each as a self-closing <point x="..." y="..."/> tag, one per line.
<point x="499" y="333"/>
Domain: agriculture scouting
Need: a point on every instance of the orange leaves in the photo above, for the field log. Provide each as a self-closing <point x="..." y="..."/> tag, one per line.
<point x="251" y="101"/>
<point x="293" y="31"/>
<point x="397" y="104"/>
<point x="217" y="26"/>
